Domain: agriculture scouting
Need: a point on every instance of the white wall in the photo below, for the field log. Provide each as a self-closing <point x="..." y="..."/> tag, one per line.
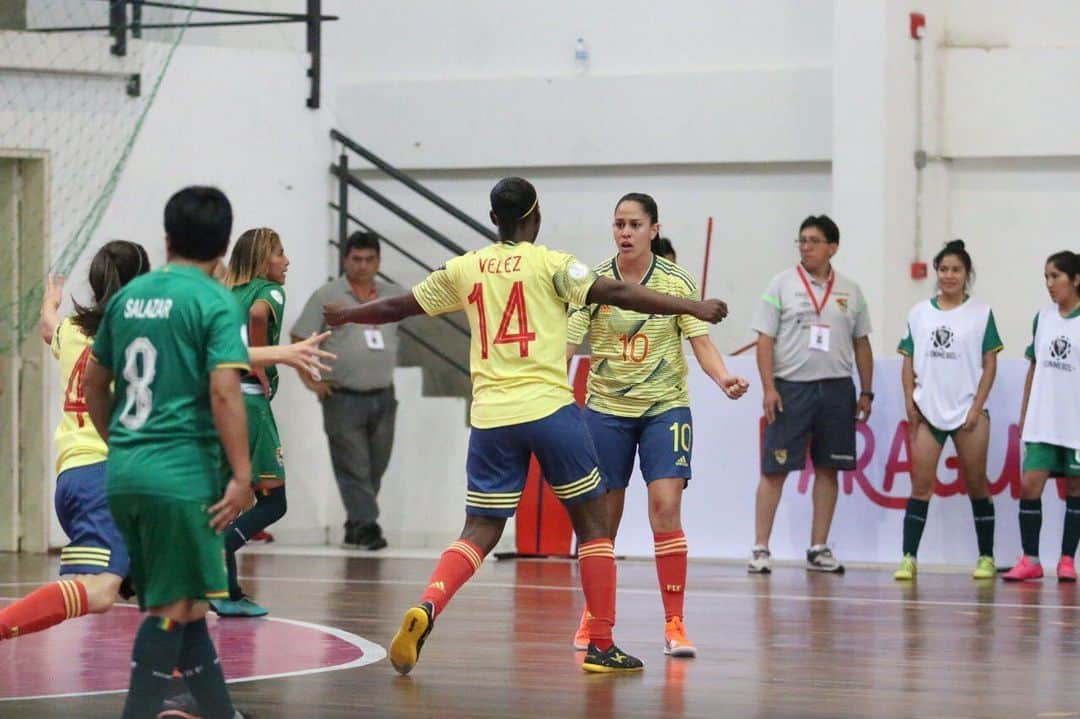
<point x="235" y="119"/>
<point x="756" y="113"/>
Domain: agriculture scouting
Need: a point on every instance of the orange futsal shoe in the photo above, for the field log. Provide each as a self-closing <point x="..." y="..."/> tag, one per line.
<point x="676" y="643"/>
<point x="581" y="639"/>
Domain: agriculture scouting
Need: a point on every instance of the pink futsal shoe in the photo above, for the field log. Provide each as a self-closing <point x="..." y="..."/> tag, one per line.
<point x="1025" y="569"/>
<point x="1066" y="570"/>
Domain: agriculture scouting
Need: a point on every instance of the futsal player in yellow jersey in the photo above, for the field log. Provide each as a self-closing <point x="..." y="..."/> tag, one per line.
<point x="94" y="564"/>
<point x="638" y="401"/>
<point x="515" y="294"/>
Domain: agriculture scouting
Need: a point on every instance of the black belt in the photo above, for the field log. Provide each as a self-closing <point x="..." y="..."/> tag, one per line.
<point x="362" y="392"/>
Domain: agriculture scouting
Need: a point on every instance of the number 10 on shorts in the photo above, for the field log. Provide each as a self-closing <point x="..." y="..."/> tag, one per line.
<point x="681" y="436"/>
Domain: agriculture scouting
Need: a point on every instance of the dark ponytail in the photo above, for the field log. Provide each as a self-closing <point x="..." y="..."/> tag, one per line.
<point x="115" y="264"/>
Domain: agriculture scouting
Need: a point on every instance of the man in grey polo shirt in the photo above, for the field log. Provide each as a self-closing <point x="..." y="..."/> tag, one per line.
<point x="357" y="396"/>
<point x="813" y="329"/>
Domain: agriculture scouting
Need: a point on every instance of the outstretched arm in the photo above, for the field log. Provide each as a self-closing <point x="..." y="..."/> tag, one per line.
<point x="376" y="312"/>
<point x="304" y="355"/>
<point x="641" y="299"/>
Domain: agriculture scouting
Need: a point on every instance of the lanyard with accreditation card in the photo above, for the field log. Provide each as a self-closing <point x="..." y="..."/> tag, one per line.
<point x="819" y="331"/>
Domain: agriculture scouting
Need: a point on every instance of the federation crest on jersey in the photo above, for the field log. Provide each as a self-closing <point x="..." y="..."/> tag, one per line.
<point x="842" y="303"/>
<point x="1060" y="348"/>
<point x="942" y="338"/>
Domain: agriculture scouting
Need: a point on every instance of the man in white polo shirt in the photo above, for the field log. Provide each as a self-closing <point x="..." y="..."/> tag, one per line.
<point x="813" y="330"/>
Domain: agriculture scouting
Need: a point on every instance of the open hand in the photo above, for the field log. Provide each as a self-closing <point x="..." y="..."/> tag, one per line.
<point x="54" y="291"/>
<point x="307" y="355"/>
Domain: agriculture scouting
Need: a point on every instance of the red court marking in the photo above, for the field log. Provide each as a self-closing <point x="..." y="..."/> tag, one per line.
<point x="92" y="654"/>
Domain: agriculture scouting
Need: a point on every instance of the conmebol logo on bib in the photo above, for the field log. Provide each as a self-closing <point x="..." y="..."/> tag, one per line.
<point x="1060" y="348"/>
<point x="942" y="338"/>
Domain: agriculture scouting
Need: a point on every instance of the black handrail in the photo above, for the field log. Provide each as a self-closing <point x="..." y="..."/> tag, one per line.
<point x="382" y="238"/>
<point x="401" y="212"/>
<point x="412" y="184"/>
<point x="424" y="343"/>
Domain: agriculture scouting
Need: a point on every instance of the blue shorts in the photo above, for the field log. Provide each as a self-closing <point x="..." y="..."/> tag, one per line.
<point x="96" y="545"/>
<point x="663" y="444"/>
<point x="498" y="462"/>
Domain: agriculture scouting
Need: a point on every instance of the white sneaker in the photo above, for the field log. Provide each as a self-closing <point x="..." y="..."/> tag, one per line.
<point x="819" y="558"/>
<point x="760" y="560"/>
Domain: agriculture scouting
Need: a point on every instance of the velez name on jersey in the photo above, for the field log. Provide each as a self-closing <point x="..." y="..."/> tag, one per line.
<point x="504" y="266"/>
<point x="155" y="308"/>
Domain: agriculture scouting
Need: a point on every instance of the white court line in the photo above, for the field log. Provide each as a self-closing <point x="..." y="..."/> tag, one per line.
<point x="371" y="653"/>
<point x="711" y="593"/>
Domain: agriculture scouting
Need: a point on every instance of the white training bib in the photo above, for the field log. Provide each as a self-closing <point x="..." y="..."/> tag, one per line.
<point x="947" y="358"/>
<point x="1053" y="411"/>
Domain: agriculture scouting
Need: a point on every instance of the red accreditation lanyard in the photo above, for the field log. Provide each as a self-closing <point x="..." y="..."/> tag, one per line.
<point x="810" y="291"/>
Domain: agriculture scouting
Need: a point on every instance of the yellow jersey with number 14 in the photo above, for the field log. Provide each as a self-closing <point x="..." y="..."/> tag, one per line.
<point x="515" y="296"/>
<point x="77" y="442"/>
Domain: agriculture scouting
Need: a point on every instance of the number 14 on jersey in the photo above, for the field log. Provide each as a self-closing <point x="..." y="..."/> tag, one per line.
<point x="515" y="311"/>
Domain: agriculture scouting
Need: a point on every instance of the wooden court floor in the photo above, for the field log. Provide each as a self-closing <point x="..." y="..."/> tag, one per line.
<point x="788" y="645"/>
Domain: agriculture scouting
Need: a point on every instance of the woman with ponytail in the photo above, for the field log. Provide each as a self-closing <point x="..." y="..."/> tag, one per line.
<point x="1050" y="418"/>
<point x="93" y="565"/>
<point x="950" y="360"/>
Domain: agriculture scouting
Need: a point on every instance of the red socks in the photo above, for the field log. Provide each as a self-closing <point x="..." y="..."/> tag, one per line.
<point x="460" y="560"/>
<point x="670" y="548"/>
<point x="597" y="562"/>
<point x="44" y="607"/>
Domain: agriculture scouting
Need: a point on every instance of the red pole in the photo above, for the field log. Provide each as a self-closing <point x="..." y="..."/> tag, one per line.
<point x="705" y="268"/>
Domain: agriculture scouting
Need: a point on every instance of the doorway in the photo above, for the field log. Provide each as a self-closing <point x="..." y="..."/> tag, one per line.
<point x="24" y="437"/>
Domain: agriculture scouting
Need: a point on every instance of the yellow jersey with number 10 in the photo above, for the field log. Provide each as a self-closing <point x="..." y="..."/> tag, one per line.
<point x="515" y="296"/>
<point x="77" y="442"/>
<point x="638" y="368"/>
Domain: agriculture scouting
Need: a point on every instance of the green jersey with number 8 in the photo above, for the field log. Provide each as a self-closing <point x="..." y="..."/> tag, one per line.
<point x="162" y="336"/>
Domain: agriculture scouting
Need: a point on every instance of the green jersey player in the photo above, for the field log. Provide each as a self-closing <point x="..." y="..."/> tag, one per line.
<point x="256" y="276"/>
<point x="172" y="342"/>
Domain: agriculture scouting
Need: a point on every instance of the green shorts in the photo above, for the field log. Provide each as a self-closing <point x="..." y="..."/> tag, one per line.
<point x="175" y="554"/>
<point x="1057" y="460"/>
<point x="941" y="435"/>
<point x="264" y="444"/>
